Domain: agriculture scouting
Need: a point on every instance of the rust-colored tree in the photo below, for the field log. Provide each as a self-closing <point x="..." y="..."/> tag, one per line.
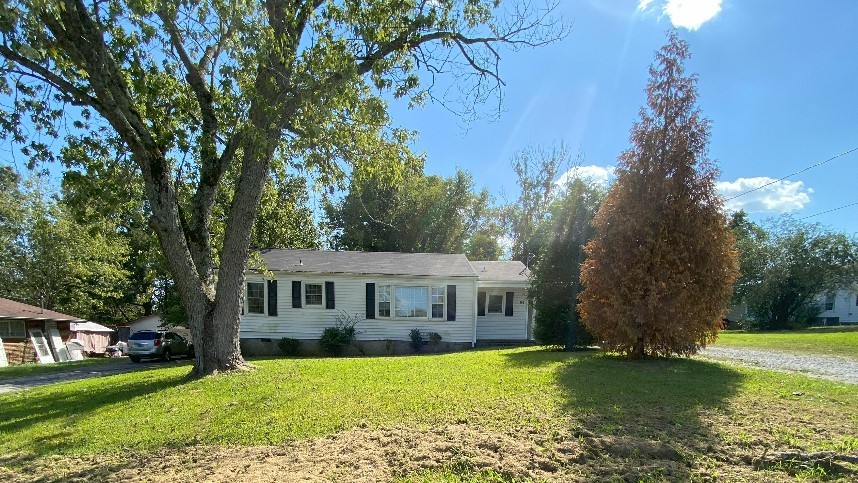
<point x="659" y="272"/>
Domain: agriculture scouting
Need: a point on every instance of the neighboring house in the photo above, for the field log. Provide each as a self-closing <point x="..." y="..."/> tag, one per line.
<point x="150" y="322"/>
<point x="33" y="334"/>
<point x="838" y="307"/>
<point x="392" y="293"/>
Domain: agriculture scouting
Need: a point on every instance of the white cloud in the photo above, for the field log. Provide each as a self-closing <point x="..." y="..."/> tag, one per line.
<point x="598" y="174"/>
<point x="778" y="197"/>
<point x="688" y="14"/>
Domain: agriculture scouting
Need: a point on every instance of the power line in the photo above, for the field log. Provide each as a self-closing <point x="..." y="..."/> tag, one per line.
<point x="828" y="211"/>
<point x="797" y="172"/>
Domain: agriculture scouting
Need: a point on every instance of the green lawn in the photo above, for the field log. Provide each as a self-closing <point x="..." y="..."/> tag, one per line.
<point x="690" y="416"/>
<point x="833" y="341"/>
<point x="24" y="370"/>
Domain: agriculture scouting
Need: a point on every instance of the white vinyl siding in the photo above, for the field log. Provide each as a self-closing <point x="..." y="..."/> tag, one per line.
<point x="844" y="306"/>
<point x="497" y="326"/>
<point x="309" y="321"/>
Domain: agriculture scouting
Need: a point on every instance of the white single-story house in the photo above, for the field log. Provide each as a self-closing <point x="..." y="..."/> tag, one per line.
<point x="391" y="293"/>
<point x="838" y="307"/>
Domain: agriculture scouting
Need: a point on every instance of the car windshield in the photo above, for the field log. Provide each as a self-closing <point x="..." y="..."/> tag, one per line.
<point x="145" y="336"/>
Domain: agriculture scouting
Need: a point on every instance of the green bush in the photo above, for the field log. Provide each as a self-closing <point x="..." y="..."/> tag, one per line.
<point x="334" y="340"/>
<point x="416" y="339"/>
<point x="289" y="347"/>
<point x="435" y="338"/>
<point x="554" y="326"/>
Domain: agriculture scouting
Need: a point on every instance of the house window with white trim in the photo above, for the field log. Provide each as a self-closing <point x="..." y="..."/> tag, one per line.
<point x="829" y="301"/>
<point x="384" y="301"/>
<point x="312" y="294"/>
<point x="437" y="303"/>
<point x="495" y="304"/>
<point x="255" y="297"/>
<point x="12" y="329"/>
<point x="411" y="302"/>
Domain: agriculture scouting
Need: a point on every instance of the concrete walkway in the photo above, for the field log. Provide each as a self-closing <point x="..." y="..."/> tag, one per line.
<point x="29" y="382"/>
<point x="834" y="368"/>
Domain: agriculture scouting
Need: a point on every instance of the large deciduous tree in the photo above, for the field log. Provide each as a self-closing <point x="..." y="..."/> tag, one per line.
<point x="195" y="90"/>
<point x="786" y="266"/>
<point x="660" y="269"/>
<point x="421" y="214"/>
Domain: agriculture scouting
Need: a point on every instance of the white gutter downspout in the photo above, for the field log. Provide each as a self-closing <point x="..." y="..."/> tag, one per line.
<point x="476" y="295"/>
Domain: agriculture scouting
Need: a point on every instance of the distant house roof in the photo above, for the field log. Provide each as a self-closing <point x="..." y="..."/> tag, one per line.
<point x="375" y="263"/>
<point x="502" y="271"/>
<point x="88" y="327"/>
<point x="10" y="309"/>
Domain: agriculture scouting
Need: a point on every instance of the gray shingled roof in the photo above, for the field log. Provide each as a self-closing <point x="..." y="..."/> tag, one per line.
<point x="503" y="271"/>
<point x="376" y="263"/>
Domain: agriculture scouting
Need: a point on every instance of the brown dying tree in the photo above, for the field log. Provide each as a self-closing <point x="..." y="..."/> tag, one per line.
<point x="660" y="270"/>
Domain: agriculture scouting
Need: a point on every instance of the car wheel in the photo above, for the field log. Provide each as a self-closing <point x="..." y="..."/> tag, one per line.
<point x="134" y="358"/>
<point x="166" y="355"/>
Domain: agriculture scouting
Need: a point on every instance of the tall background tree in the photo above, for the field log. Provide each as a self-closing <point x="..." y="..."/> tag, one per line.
<point x="555" y="281"/>
<point x="659" y="272"/>
<point x="419" y="213"/>
<point x="536" y="170"/>
<point x="194" y="91"/>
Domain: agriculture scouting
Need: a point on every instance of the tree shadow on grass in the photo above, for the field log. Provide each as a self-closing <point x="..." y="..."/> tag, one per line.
<point x="645" y="419"/>
<point x="65" y="403"/>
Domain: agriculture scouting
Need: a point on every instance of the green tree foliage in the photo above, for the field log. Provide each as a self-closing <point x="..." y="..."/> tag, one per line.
<point x="660" y="269"/>
<point x="12" y="217"/>
<point x="61" y="264"/>
<point x="536" y="171"/>
<point x="787" y="266"/>
<point x="419" y="214"/>
<point x="195" y="91"/>
<point x="555" y="282"/>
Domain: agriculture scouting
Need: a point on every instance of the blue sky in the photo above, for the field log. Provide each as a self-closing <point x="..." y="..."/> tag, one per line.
<point x="778" y="80"/>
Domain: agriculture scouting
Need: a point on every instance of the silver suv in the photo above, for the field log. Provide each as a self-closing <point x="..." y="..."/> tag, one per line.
<point x="149" y="344"/>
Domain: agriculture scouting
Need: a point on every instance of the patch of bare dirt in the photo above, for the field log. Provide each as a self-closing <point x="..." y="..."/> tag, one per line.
<point x="364" y="455"/>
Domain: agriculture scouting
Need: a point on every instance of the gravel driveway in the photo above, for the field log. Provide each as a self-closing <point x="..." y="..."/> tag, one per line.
<point x="826" y="367"/>
<point x="29" y="382"/>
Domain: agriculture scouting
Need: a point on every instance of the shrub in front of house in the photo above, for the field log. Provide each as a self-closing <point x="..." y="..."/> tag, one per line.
<point x="334" y="340"/>
<point x="416" y="339"/>
<point x="289" y="347"/>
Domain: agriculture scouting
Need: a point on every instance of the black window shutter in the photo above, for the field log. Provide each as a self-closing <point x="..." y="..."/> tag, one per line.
<point x="370" y="300"/>
<point x="296" y="294"/>
<point x="481" y="303"/>
<point x="272" y="297"/>
<point x="451" y="302"/>
<point x="329" y="295"/>
<point x="509" y="297"/>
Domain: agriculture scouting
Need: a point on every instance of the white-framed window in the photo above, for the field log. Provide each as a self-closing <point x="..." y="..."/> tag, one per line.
<point x="384" y="300"/>
<point x="312" y="294"/>
<point x="494" y="304"/>
<point x="829" y="301"/>
<point x="255" y="297"/>
<point x="411" y="302"/>
<point x="437" y="303"/>
<point x="12" y="329"/>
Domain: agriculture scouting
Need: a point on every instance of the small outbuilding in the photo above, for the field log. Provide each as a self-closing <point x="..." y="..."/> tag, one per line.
<point x="93" y="337"/>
